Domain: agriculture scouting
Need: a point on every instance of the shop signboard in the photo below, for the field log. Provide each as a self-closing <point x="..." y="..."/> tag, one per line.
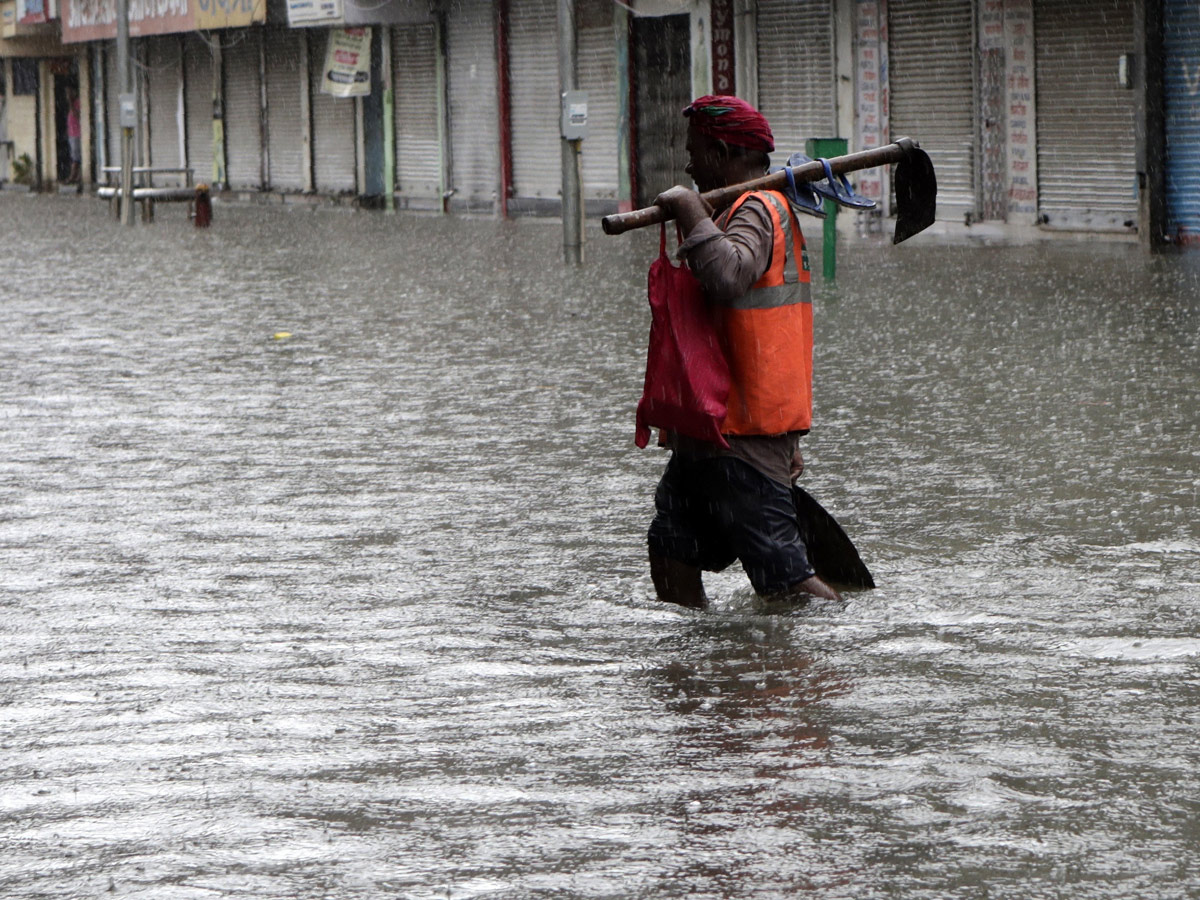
<point x="872" y="88"/>
<point x="96" y="20"/>
<point x="228" y="13"/>
<point x="303" y="13"/>
<point x="1022" y="146"/>
<point x="347" y="71"/>
<point x="722" y="46"/>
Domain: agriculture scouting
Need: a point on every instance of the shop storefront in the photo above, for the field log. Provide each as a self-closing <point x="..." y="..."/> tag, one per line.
<point x="474" y="150"/>
<point x="415" y="80"/>
<point x="931" y="71"/>
<point x="1085" y="115"/>
<point x="1181" y="37"/>
<point x="796" y="83"/>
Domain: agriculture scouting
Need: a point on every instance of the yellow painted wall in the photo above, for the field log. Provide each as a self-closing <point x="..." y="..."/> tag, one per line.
<point x="22" y="126"/>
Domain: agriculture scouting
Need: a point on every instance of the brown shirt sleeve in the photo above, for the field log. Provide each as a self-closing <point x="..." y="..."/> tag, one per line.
<point x="727" y="263"/>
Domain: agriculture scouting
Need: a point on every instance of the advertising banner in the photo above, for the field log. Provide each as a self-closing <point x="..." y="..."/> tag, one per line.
<point x="1022" y="146"/>
<point x="96" y="20"/>
<point x="347" y="71"/>
<point x="871" y="79"/>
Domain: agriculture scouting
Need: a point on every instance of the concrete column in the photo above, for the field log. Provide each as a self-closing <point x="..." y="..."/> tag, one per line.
<point x="1150" y="125"/>
<point x="389" y="119"/>
<point x="745" y="53"/>
<point x="220" y="178"/>
<point x="306" y="146"/>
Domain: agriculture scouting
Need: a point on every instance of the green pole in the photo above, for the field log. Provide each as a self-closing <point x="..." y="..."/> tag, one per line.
<point x="827" y="148"/>
<point x="829" y="244"/>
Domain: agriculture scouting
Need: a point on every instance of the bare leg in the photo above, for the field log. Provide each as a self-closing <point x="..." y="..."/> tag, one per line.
<point x="806" y="590"/>
<point x="677" y="582"/>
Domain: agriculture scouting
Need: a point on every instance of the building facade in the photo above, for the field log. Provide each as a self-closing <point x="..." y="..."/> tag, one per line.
<point x="1038" y="113"/>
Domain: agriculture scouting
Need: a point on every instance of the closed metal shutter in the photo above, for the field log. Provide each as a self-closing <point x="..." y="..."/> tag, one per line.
<point x="796" y="82"/>
<point x="596" y="51"/>
<point x="533" y="68"/>
<point x="474" y="132"/>
<point x="243" y="108"/>
<point x="334" y="169"/>
<point x="165" y="90"/>
<point x="661" y="59"/>
<point x="414" y="75"/>
<point x="285" y="132"/>
<point x="1085" y="138"/>
<point x="198" y="96"/>
<point x="1182" y="45"/>
<point x="932" y="87"/>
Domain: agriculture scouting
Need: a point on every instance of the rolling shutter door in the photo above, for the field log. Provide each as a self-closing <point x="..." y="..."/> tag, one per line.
<point x="414" y="75"/>
<point x="198" y="95"/>
<point x="164" y="101"/>
<point x="285" y="132"/>
<point x="1085" y="139"/>
<point x="931" y="79"/>
<point x="597" y="61"/>
<point x="533" y="63"/>
<point x="333" y="138"/>
<point x="1181" y="40"/>
<point x="474" y="135"/>
<point x="243" y="109"/>
<point x="796" y="83"/>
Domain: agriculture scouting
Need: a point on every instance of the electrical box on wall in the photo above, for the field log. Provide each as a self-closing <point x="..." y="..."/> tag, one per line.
<point x="574" y="115"/>
<point x="128" y="110"/>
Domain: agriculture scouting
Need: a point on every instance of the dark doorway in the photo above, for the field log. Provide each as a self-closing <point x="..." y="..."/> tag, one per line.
<point x="663" y="87"/>
<point x="66" y="95"/>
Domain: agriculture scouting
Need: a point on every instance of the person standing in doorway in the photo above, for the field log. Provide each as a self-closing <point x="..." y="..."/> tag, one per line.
<point x="714" y="505"/>
<point x="74" y="136"/>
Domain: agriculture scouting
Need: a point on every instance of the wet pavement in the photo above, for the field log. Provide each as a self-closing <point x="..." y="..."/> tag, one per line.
<point x="362" y="611"/>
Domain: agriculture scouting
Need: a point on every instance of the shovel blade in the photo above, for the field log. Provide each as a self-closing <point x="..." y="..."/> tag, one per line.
<point x="830" y="552"/>
<point x="916" y="194"/>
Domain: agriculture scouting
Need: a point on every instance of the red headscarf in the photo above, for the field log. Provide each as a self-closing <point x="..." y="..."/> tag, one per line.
<point x="731" y="120"/>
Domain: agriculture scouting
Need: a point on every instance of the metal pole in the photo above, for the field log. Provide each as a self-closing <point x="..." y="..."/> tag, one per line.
<point x="389" y="119"/>
<point x="125" y="75"/>
<point x="572" y="187"/>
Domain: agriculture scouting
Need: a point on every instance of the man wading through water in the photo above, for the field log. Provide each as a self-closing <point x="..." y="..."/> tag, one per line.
<point x="715" y="505"/>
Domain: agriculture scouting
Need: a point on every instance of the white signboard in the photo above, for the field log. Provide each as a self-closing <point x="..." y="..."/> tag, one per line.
<point x="314" y="12"/>
<point x="347" y="71"/>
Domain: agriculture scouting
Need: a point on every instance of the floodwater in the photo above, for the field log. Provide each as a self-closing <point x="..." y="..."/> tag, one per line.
<point x="362" y="612"/>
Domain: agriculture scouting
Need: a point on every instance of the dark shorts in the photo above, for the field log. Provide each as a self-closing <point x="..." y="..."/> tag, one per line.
<point x="712" y="511"/>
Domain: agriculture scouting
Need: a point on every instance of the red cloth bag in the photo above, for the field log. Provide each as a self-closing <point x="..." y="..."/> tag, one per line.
<point x="687" y="376"/>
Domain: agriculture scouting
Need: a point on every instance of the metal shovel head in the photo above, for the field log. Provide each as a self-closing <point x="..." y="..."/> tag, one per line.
<point x="916" y="193"/>
<point x="830" y="552"/>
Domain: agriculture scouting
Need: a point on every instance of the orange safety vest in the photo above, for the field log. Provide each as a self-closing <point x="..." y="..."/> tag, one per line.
<point x="768" y="333"/>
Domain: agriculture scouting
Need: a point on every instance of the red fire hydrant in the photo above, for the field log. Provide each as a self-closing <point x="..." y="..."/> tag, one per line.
<point x="203" y="201"/>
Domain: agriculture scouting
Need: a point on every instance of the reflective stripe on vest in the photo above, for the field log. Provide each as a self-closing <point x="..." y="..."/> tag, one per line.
<point x="768" y="333"/>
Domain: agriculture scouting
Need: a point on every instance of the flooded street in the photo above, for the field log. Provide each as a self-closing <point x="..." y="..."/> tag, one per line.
<point x="322" y="541"/>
